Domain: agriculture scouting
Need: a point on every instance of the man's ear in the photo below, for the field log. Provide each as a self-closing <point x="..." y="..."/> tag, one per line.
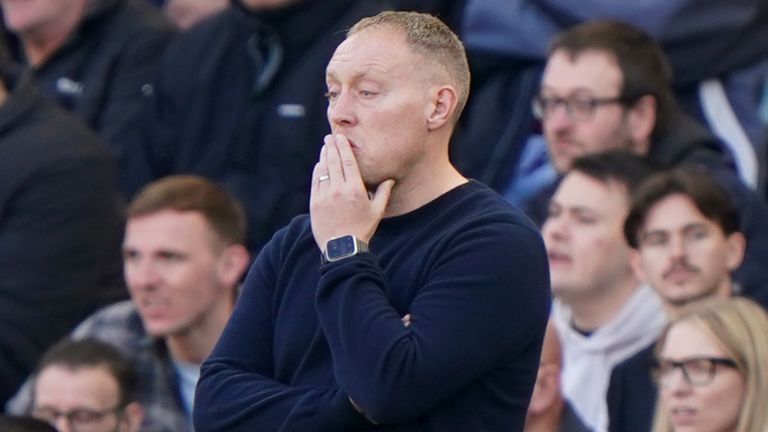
<point x="232" y="263"/>
<point x="133" y="416"/>
<point x="735" y="253"/>
<point x="442" y="108"/>
<point x="642" y="120"/>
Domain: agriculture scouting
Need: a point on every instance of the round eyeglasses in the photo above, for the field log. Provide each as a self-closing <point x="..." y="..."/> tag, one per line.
<point x="578" y="107"/>
<point x="697" y="371"/>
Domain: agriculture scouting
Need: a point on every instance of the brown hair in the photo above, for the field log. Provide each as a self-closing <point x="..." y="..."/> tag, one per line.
<point x="644" y="67"/>
<point x="693" y="182"/>
<point x="188" y="193"/>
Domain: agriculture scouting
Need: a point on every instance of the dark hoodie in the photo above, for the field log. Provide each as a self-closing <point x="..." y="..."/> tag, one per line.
<point x="103" y="71"/>
<point x="256" y="130"/>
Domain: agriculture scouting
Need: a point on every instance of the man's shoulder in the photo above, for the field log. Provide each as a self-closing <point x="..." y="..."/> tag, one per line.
<point x="639" y="363"/>
<point x="118" y="321"/>
<point x="36" y="125"/>
<point x="481" y="203"/>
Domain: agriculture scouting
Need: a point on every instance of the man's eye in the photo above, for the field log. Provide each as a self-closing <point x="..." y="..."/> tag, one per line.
<point x="581" y="105"/>
<point x="331" y="95"/>
<point x="367" y="93"/>
<point x="84" y="416"/>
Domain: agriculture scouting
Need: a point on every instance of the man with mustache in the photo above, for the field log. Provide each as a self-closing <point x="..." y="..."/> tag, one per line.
<point x="686" y="235"/>
<point x="606" y="86"/>
<point x="602" y="311"/>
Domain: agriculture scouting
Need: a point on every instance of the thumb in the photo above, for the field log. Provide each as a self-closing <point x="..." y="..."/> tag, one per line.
<point x="381" y="196"/>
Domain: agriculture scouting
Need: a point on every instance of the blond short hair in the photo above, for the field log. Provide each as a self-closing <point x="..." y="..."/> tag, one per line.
<point x="433" y="40"/>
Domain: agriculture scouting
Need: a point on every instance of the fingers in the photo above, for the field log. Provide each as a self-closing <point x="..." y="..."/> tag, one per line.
<point x="348" y="160"/>
<point x="381" y="196"/>
<point x="320" y="172"/>
<point x="333" y="160"/>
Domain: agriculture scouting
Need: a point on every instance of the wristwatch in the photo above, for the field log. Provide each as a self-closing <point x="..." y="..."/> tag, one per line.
<point x="342" y="247"/>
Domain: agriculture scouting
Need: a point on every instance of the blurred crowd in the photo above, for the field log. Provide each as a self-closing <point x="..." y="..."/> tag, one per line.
<point x="150" y="149"/>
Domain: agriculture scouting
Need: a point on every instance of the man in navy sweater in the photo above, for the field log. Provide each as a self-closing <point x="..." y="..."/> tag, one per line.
<point x="409" y="299"/>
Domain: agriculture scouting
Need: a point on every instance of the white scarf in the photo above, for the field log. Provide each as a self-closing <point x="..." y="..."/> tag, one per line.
<point x="588" y="360"/>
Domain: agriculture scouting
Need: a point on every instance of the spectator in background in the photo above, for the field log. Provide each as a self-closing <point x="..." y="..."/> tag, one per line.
<point x="710" y="368"/>
<point x="686" y="234"/>
<point x="602" y="311"/>
<point x="549" y="411"/>
<point x="186" y="13"/>
<point x="606" y="85"/>
<point x="86" y="385"/>
<point x="61" y="223"/>
<point x="97" y="58"/>
<point x="252" y="115"/>
<point x="716" y="51"/>
<point x="184" y="257"/>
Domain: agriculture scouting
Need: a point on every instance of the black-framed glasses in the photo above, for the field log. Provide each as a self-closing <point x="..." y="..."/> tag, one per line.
<point x="697" y="371"/>
<point x="79" y="419"/>
<point x="578" y="107"/>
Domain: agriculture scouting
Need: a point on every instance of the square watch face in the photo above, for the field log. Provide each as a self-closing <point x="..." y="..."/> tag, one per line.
<point x="341" y="247"/>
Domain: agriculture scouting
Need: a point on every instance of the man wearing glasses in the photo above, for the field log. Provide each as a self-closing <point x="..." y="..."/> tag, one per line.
<point x="607" y="86"/>
<point x="87" y="386"/>
<point x="686" y="235"/>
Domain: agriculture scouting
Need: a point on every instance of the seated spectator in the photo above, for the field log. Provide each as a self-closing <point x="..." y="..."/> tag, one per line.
<point x="24" y="424"/>
<point x="86" y="385"/>
<point x="95" y="57"/>
<point x="606" y="85"/>
<point x="184" y="257"/>
<point x="715" y="50"/>
<point x="61" y="223"/>
<point x="602" y="311"/>
<point x="186" y="13"/>
<point x="252" y="116"/>
<point x="549" y="411"/>
<point x="710" y="368"/>
<point x="686" y="235"/>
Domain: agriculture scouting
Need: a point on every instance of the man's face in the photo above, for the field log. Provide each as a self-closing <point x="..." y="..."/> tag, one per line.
<point x="684" y="255"/>
<point x="583" y="235"/>
<point x="592" y="74"/>
<point x="379" y="98"/>
<point x="172" y="267"/>
<point x="35" y="16"/>
<point x="91" y="391"/>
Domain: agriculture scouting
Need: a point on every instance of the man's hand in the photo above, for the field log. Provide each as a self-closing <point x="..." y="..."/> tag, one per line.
<point x="339" y="204"/>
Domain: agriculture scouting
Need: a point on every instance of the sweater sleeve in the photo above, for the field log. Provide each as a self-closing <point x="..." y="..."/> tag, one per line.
<point x="236" y="391"/>
<point x="484" y="302"/>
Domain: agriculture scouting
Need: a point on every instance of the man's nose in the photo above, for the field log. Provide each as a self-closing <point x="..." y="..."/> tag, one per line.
<point x="341" y="110"/>
<point x="558" y="117"/>
<point x="142" y="274"/>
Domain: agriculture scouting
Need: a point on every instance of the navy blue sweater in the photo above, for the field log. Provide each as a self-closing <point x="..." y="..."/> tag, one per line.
<point x="304" y="338"/>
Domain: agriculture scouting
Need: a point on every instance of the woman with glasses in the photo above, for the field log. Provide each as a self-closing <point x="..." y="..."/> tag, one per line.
<point x="712" y="369"/>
